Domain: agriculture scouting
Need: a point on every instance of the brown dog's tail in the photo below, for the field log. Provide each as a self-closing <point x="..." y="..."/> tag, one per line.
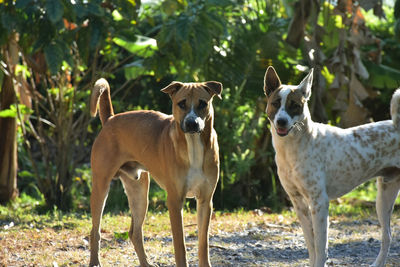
<point x="101" y="95"/>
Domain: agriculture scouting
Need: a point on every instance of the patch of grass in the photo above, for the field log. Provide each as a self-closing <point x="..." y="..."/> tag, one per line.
<point x="350" y="207"/>
<point x="358" y="203"/>
<point x="28" y="237"/>
<point x="366" y="192"/>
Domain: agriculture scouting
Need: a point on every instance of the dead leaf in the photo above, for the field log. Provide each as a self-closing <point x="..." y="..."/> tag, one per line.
<point x="345" y="6"/>
<point x="368" y="4"/>
<point x="335" y="84"/>
<point x="358" y="18"/>
<point x="355" y="114"/>
<point x="340" y="101"/>
<point x="357" y="88"/>
<point x="359" y="67"/>
<point x="302" y="10"/>
<point x="378" y="11"/>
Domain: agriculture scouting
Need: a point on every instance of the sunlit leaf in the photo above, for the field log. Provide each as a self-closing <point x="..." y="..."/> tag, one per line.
<point x="327" y="75"/>
<point x="8" y="113"/>
<point x="24" y="109"/>
<point x="133" y="2"/>
<point x="117" y="16"/>
<point x="143" y="46"/>
<point x="136" y="69"/>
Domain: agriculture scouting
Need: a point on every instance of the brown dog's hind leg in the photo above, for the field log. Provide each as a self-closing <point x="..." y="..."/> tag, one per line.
<point x="100" y="188"/>
<point x="137" y="192"/>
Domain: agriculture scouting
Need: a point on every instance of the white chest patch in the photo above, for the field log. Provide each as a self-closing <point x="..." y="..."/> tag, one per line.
<point x="195" y="173"/>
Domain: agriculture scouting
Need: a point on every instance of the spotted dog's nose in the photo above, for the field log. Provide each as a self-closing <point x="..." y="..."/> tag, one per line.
<point x="281" y="122"/>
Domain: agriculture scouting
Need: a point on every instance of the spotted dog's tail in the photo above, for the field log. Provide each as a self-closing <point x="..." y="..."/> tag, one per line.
<point x="395" y="108"/>
<point x="101" y="95"/>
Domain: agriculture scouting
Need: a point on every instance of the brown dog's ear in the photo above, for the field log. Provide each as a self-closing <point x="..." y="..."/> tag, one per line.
<point x="214" y="88"/>
<point x="172" y="88"/>
<point x="271" y="81"/>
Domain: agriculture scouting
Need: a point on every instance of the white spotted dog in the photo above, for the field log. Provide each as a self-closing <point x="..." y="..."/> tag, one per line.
<point x="318" y="162"/>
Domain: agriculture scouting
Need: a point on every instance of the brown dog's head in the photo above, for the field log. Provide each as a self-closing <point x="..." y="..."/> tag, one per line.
<point x="191" y="103"/>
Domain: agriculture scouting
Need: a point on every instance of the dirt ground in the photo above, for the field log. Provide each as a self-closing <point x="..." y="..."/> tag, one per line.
<point x="251" y="238"/>
<point x="236" y="239"/>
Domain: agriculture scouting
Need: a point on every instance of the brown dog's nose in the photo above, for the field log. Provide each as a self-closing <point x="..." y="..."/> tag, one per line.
<point x="191" y="126"/>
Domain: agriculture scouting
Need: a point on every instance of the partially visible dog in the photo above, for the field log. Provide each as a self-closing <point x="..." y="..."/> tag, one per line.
<point x="179" y="150"/>
<point x="318" y="162"/>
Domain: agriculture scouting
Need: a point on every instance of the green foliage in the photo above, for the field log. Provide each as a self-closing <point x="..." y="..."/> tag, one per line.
<point x="10" y="113"/>
<point x="59" y="43"/>
<point x="66" y="46"/>
<point x="382" y="76"/>
<point x="54" y="56"/>
<point x="54" y="10"/>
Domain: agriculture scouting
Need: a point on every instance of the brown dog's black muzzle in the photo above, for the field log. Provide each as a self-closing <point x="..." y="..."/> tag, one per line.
<point x="191" y="126"/>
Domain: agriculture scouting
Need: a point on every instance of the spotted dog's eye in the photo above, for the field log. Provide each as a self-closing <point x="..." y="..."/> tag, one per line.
<point x="295" y="106"/>
<point x="202" y="104"/>
<point x="276" y="104"/>
<point x="182" y="104"/>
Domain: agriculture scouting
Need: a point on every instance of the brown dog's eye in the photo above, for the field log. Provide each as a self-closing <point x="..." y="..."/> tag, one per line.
<point x="182" y="104"/>
<point x="202" y="104"/>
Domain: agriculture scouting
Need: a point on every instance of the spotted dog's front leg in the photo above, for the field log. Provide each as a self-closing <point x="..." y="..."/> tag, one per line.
<point x="303" y="213"/>
<point x="319" y="214"/>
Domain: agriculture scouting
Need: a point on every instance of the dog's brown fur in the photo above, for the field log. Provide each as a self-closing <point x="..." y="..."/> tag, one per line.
<point x="133" y="144"/>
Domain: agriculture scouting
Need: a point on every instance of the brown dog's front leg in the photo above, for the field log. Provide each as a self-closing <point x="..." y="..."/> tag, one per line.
<point x="204" y="209"/>
<point x="175" y="206"/>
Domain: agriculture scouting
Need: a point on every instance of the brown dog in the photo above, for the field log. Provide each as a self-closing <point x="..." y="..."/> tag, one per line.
<point x="180" y="151"/>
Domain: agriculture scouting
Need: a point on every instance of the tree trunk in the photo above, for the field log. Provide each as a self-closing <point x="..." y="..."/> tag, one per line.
<point x="8" y="125"/>
<point x="8" y="144"/>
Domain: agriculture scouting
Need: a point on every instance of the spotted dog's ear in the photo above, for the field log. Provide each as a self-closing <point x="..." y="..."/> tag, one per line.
<point x="214" y="88"/>
<point x="306" y="84"/>
<point x="271" y="81"/>
<point x="172" y="88"/>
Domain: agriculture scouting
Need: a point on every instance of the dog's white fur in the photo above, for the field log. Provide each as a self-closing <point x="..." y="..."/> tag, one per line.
<point x="318" y="162"/>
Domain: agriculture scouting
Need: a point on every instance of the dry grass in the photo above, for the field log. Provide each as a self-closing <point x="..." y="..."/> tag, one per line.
<point x="62" y="240"/>
<point x="57" y="239"/>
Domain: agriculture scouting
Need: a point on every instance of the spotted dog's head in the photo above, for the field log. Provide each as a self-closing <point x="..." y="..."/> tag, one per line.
<point x="192" y="103"/>
<point x="286" y="104"/>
